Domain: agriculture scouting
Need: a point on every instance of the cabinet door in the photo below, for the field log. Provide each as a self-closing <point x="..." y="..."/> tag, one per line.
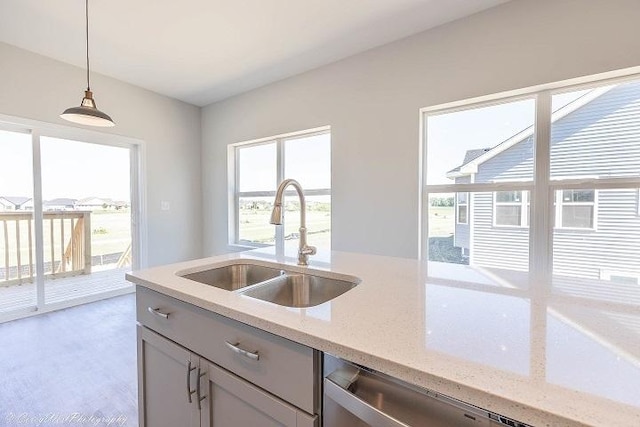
<point x="164" y="382"/>
<point x="230" y="401"/>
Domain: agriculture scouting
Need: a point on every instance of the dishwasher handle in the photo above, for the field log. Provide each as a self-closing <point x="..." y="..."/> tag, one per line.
<point x="359" y="407"/>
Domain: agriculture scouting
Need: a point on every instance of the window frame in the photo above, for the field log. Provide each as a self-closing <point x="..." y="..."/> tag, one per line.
<point x="560" y="204"/>
<point x="542" y="187"/>
<point x="524" y="209"/>
<point x="458" y="205"/>
<point x="234" y="180"/>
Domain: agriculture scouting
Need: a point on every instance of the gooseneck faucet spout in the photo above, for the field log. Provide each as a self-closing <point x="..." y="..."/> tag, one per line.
<point x="304" y="250"/>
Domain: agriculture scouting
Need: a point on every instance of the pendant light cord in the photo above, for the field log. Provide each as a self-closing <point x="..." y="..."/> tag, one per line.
<point x="86" y="12"/>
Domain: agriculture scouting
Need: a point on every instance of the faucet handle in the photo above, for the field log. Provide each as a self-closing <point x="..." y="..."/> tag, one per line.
<point x="308" y="250"/>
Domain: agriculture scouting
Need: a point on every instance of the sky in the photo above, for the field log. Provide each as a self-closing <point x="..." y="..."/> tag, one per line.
<point x="307" y="160"/>
<point x="70" y="169"/>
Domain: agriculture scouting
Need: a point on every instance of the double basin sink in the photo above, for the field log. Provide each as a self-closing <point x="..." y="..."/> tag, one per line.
<point x="274" y="285"/>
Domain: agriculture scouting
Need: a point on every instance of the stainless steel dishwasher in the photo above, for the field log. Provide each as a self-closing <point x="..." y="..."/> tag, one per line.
<point x="355" y="396"/>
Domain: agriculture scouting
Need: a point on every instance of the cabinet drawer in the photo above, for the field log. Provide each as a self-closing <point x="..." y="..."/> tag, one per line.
<point x="283" y="367"/>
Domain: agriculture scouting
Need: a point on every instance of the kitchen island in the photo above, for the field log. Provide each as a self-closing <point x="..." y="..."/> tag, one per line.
<point x="539" y="355"/>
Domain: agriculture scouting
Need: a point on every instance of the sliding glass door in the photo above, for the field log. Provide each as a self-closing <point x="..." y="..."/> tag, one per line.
<point x="67" y="206"/>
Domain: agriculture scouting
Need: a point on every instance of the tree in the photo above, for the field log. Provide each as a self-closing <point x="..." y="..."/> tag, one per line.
<point x="442" y="201"/>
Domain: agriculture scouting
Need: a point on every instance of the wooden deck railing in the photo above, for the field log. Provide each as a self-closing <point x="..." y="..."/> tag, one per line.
<point x="66" y="240"/>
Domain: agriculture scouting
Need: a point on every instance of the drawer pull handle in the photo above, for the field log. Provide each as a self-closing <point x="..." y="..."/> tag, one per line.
<point x="234" y="347"/>
<point x="157" y="312"/>
<point x="189" y="370"/>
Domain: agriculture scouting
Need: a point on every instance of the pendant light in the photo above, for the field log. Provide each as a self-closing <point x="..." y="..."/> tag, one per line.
<point x="87" y="113"/>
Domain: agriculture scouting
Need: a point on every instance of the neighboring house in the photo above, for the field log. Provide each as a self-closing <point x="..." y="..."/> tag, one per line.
<point x="61" y="204"/>
<point x="596" y="232"/>
<point x="15" y="203"/>
<point x="93" y="203"/>
<point x="120" y="204"/>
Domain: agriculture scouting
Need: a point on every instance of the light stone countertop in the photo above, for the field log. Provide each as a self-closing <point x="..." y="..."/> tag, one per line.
<point x="556" y="358"/>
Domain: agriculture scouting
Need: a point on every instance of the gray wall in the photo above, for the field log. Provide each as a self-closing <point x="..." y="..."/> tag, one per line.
<point x="371" y="101"/>
<point x="39" y="88"/>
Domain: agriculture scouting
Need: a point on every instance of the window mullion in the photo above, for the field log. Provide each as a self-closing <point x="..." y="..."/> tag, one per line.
<point x="236" y="196"/>
<point x="541" y="232"/>
<point x="279" y="178"/>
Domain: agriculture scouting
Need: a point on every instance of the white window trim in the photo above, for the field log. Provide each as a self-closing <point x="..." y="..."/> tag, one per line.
<point x="234" y="176"/>
<point x="457" y="205"/>
<point x="524" y="209"/>
<point x="559" y="203"/>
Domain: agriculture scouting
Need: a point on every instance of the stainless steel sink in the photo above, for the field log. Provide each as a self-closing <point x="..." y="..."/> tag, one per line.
<point x="235" y="276"/>
<point x="299" y="290"/>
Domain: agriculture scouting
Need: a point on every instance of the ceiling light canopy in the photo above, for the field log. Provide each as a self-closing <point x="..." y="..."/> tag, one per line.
<point x="87" y="113"/>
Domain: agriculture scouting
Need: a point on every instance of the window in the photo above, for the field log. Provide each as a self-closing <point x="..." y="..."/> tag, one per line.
<point x="553" y="176"/>
<point x="621" y="277"/>
<point x="511" y="209"/>
<point x="259" y="167"/>
<point x="575" y="209"/>
<point x="459" y="144"/>
<point x="462" y="206"/>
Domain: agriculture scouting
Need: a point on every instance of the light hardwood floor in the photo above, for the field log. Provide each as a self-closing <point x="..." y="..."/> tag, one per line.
<point x="64" y="289"/>
<point x="78" y="362"/>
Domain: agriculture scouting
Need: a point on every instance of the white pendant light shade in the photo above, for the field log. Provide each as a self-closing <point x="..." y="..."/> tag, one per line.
<point x="87" y="113"/>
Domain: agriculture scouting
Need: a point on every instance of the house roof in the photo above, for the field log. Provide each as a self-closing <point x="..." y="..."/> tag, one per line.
<point x="470" y="164"/>
<point x="91" y="201"/>
<point x="60" y="202"/>
<point x="470" y="155"/>
<point x="16" y="201"/>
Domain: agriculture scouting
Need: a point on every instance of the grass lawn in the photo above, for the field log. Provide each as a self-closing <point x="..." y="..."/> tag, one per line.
<point x="441" y="221"/>
<point x="111" y="231"/>
<point x="255" y="226"/>
<point x="441" y="231"/>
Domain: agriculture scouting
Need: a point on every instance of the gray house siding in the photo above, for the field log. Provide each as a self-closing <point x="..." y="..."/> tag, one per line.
<point x="614" y="247"/>
<point x="497" y="247"/>
<point x="600" y="139"/>
<point x="513" y="164"/>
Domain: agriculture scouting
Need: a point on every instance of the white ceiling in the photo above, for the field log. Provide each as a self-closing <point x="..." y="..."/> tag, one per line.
<point x="202" y="51"/>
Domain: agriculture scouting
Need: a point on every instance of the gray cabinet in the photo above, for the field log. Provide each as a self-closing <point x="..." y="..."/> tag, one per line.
<point x="163" y="397"/>
<point x="229" y="374"/>
<point x="233" y="402"/>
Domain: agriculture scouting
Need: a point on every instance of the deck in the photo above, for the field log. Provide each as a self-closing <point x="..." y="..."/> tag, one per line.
<point x="58" y="292"/>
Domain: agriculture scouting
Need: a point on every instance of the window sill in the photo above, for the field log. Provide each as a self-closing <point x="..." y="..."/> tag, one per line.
<point x="236" y="247"/>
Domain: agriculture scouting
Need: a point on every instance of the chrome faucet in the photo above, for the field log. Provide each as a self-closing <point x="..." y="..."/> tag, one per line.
<point x="304" y="250"/>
